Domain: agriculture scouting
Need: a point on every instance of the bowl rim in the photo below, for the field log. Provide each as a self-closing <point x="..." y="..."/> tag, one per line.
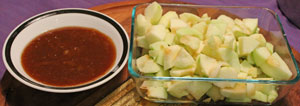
<point x="137" y="75"/>
<point x="101" y="80"/>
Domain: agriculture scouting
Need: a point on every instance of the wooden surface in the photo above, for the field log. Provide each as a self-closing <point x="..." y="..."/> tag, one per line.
<point x="19" y="94"/>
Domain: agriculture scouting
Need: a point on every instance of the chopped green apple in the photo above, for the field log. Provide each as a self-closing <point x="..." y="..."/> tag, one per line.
<point x="157" y="51"/>
<point x="247" y="45"/>
<point x="170" y="54"/>
<point x="169" y="38"/>
<point x="216" y="28"/>
<point x="190" y="18"/>
<point x="141" y="42"/>
<point x="251" y="24"/>
<point x="272" y="96"/>
<point x="229" y="56"/>
<point x="211" y="46"/>
<point x="201" y="27"/>
<point x="156" y="33"/>
<point x="237" y="92"/>
<point x="146" y="65"/>
<point x="260" y="38"/>
<point x="179" y="72"/>
<point x="197" y="89"/>
<point x="250" y="59"/>
<point x="157" y="92"/>
<point x="265" y="88"/>
<point x="245" y="66"/>
<point x="151" y="83"/>
<point x="142" y="25"/>
<point x="214" y="93"/>
<point x="162" y="73"/>
<point x="276" y="68"/>
<point x="165" y="19"/>
<point x="190" y="42"/>
<point x="188" y="31"/>
<point x="177" y="24"/>
<point x="229" y="73"/>
<point x="229" y="42"/>
<point x="251" y="88"/>
<point x="260" y="55"/>
<point x="260" y="96"/>
<point x="242" y="75"/>
<point x="205" y="64"/>
<point x="226" y="19"/>
<point x="178" y="88"/>
<point x="183" y="59"/>
<point x="242" y="25"/>
<point x="270" y="47"/>
<point x="153" y="12"/>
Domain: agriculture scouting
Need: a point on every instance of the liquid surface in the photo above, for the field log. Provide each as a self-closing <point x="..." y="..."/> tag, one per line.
<point x="69" y="56"/>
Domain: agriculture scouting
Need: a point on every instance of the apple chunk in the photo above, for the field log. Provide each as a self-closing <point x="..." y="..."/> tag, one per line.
<point x="165" y="19"/>
<point x="142" y="25"/>
<point x="276" y="68"/>
<point x="206" y="64"/>
<point x="247" y="45"/>
<point x="170" y="54"/>
<point x="156" y="33"/>
<point x="197" y="89"/>
<point x="157" y="92"/>
<point x="153" y="12"/>
<point x="146" y="65"/>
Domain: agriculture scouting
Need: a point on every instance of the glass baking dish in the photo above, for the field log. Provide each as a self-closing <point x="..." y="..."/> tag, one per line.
<point x="269" y="25"/>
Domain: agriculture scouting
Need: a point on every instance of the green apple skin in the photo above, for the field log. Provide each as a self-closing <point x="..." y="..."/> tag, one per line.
<point x="214" y="93"/>
<point x="260" y="55"/>
<point x="197" y="89"/>
<point x="276" y="68"/>
<point x="153" y="13"/>
<point x="142" y="25"/>
<point x="146" y="65"/>
<point x="156" y="33"/>
<point x="157" y="92"/>
<point x="166" y="18"/>
<point x="247" y="45"/>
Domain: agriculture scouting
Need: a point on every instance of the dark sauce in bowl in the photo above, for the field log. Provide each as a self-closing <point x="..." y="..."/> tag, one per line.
<point x="69" y="56"/>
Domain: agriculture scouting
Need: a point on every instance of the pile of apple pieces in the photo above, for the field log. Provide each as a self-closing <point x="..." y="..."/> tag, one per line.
<point x="187" y="45"/>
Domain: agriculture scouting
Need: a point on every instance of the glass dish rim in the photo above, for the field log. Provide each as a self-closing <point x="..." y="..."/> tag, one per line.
<point x="136" y="75"/>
